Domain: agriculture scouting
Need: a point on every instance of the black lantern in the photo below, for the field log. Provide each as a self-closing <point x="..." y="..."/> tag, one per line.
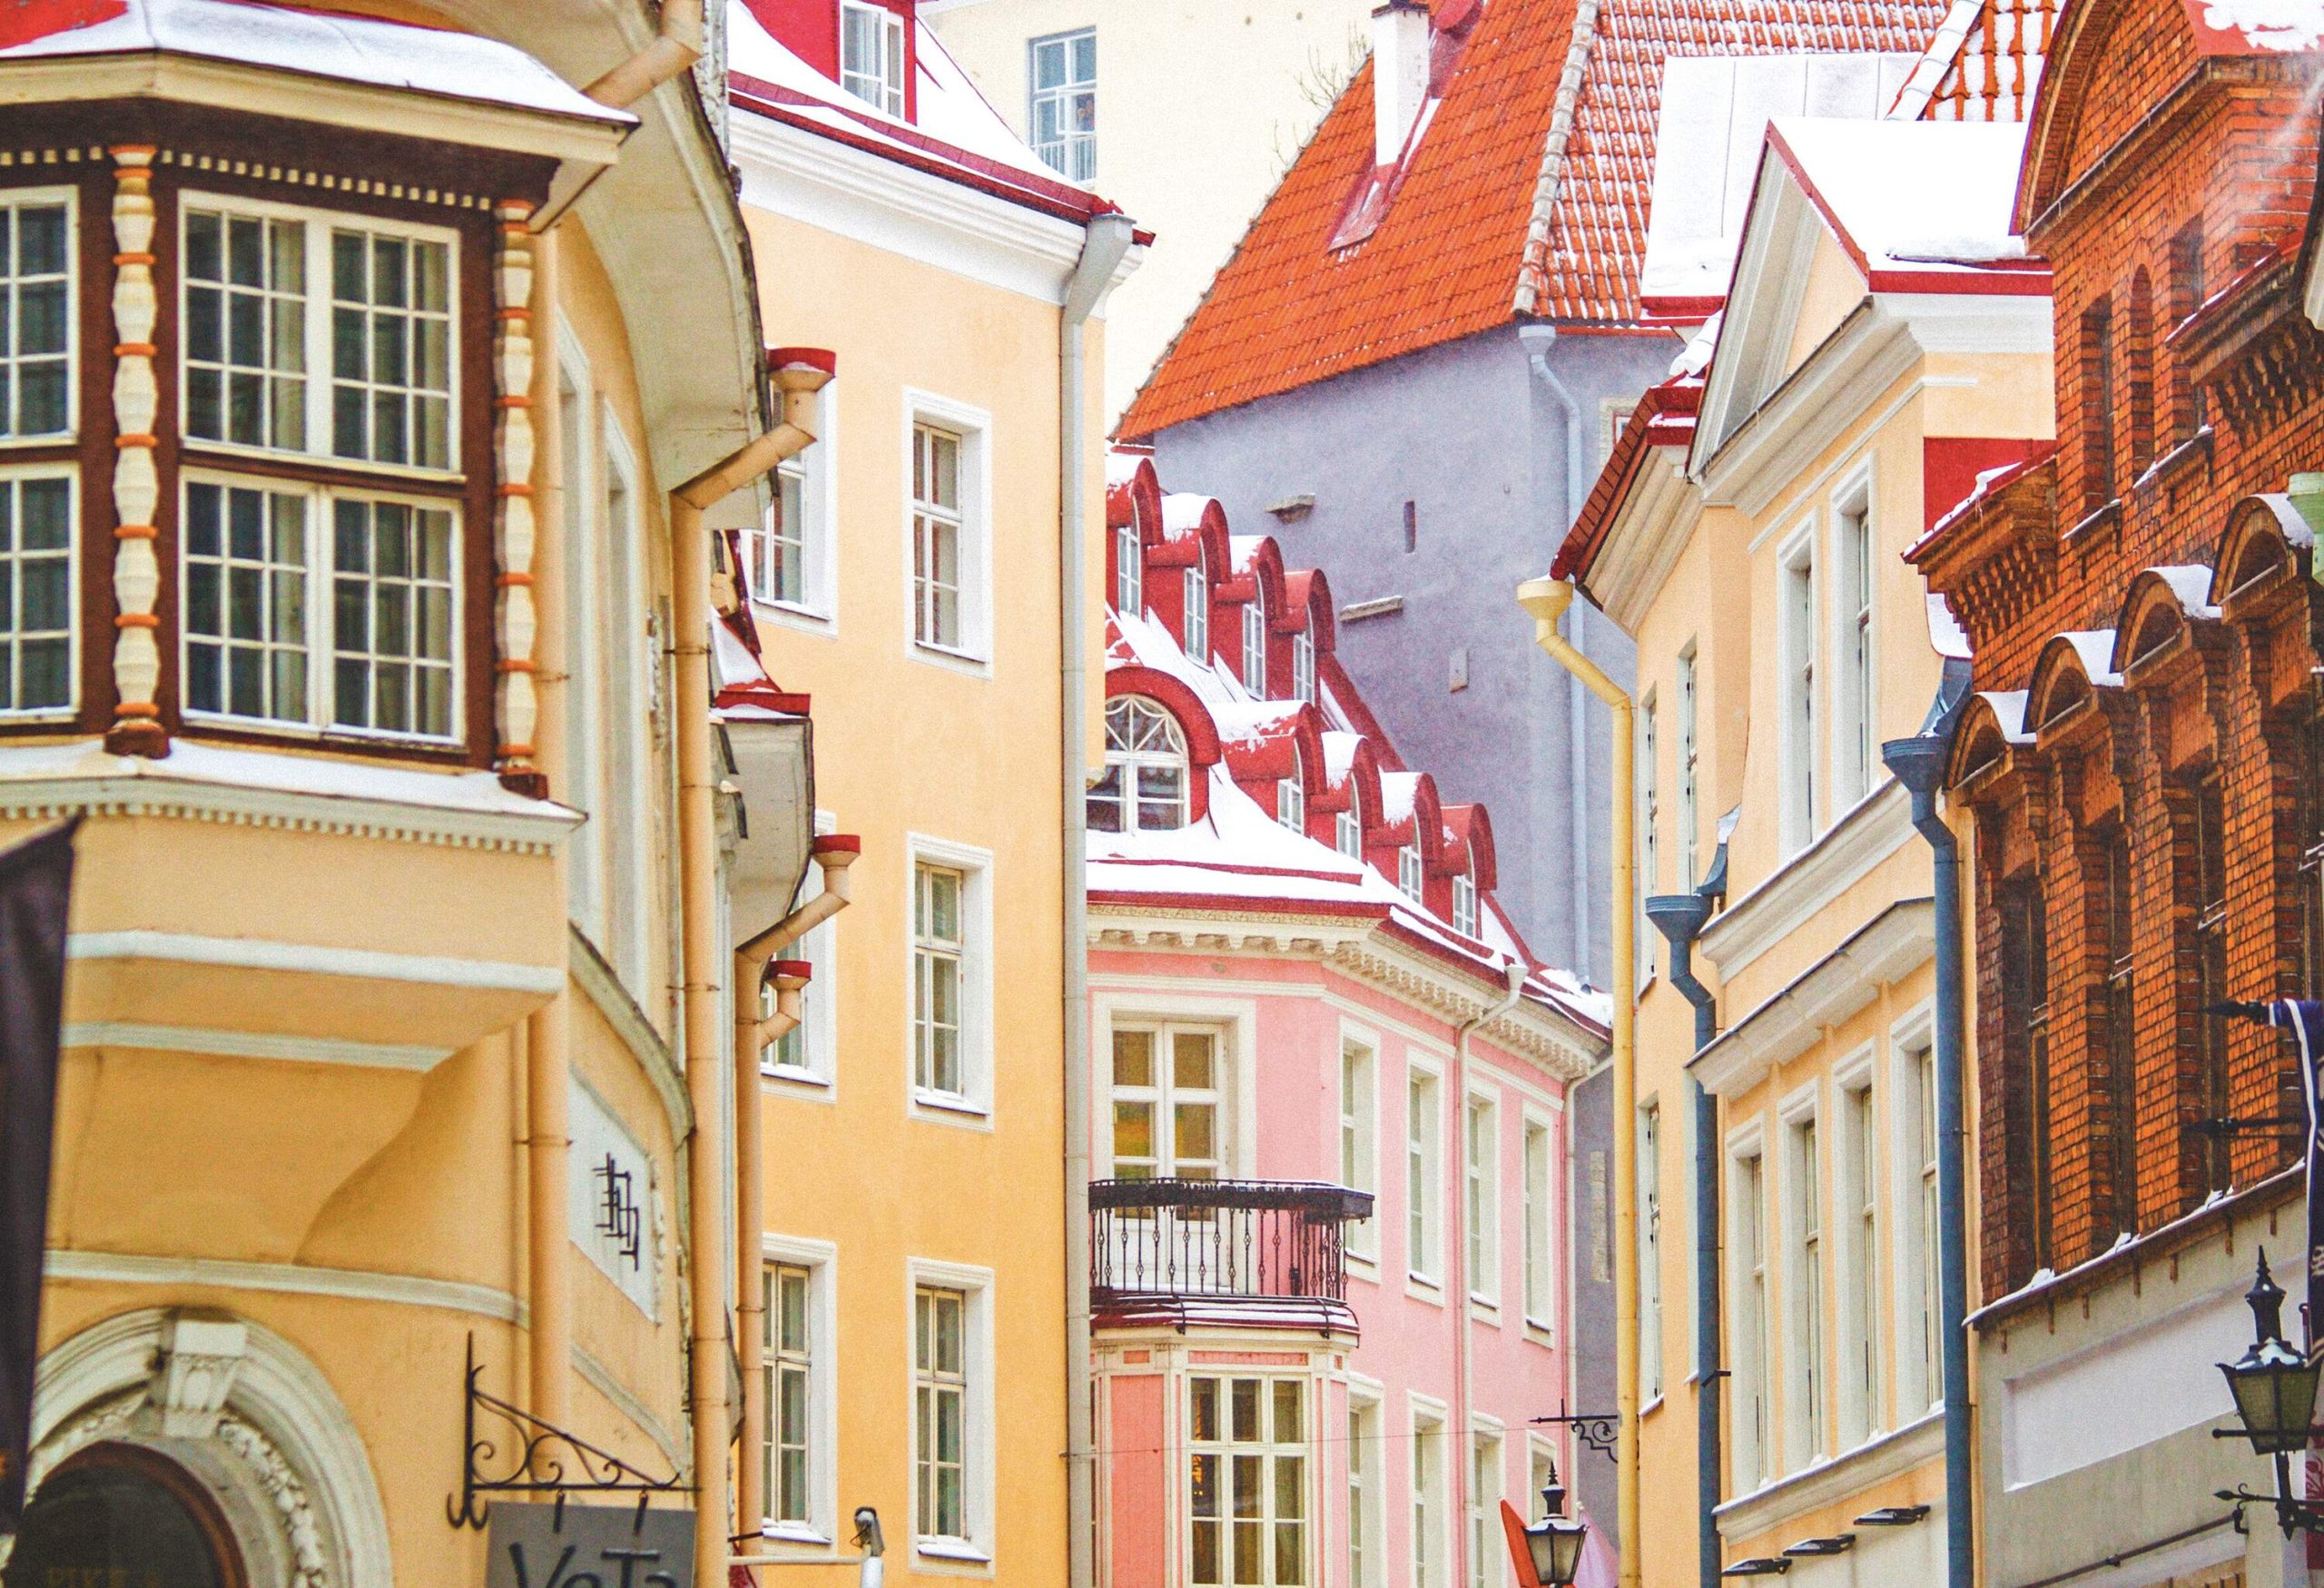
<point x="2273" y="1384"/>
<point x="1554" y="1543"/>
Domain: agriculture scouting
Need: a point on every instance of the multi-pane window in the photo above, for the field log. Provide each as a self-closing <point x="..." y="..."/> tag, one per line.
<point x="309" y="335"/>
<point x="1291" y="796"/>
<point x="1859" y="1287"/>
<point x="1143" y="789"/>
<point x="1481" y="1191"/>
<point x="1487" y="1550"/>
<point x="1246" y="1454"/>
<point x="940" y="947"/>
<point x="253" y="627"/>
<point x="1540" y="1251"/>
<point x="1428" y="1501"/>
<point x="1689" y="869"/>
<point x="1808" y="1313"/>
<point x="871" y="54"/>
<point x="789" y="1373"/>
<point x="36" y="300"/>
<point x="940" y="1410"/>
<point x="1749" y="1221"/>
<point x="2026" y="1005"/>
<point x="1419" y="1176"/>
<point x="1065" y="103"/>
<point x="2211" y="944"/>
<point x="1302" y="665"/>
<point x="35" y="592"/>
<point x="1649" y="1251"/>
<point x="1650" y="820"/>
<point x="1365" y="1496"/>
<point x="1167" y="1102"/>
<point x="780" y="573"/>
<point x="1408" y="872"/>
<point x="1197" y="619"/>
<point x="1129" y="571"/>
<point x="1798" y="682"/>
<point x="1855" y="754"/>
<point x="936" y="535"/>
<point x="1254" y="646"/>
<point x="1464" y="905"/>
<point x="1357" y="1153"/>
<point x="1347" y="825"/>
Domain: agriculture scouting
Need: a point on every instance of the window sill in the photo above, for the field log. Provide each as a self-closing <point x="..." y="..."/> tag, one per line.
<point x="1650" y="1408"/>
<point x="1421" y="1288"/>
<point x="337" y="737"/>
<point x="197" y="453"/>
<point x="798" y="1533"/>
<point x="794" y="616"/>
<point x="952" y="1548"/>
<point x="949" y="1108"/>
<point x="789" y="1078"/>
<point x="1485" y="1309"/>
<point x="1366" y="1264"/>
<point x="953" y="661"/>
<point x="1540" y="1334"/>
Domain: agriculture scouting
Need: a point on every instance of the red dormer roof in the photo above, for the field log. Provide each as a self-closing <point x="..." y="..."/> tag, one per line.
<point x="1525" y="196"/>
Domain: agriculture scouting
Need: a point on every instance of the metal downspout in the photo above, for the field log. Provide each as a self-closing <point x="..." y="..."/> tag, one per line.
<point x="1919" y="763"/>
<point x="1680" y="918"/>
<point x="1106" y="240"/>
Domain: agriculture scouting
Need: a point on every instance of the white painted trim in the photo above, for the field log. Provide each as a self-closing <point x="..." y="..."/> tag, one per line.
<point x="978" y="1044"/>
<point x="820" y="1259"/>
<point x="416" y="1058"/>
<point x="982" y="1479"/>
<point x="1876" y="1461"/>
<point x="244" y="954"/>
<point x="1879" y="825"/>
<point x="1794" y="1019"/>
<point x="1185" y="1004"/>
<point x="605" y="991"/>
<point x="979" y="538"/>
<point x="288" y="1278"/>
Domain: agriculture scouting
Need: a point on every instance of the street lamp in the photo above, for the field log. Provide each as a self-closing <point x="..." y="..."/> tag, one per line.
<point x="1549" y="1553"/>
<point x="2274" y="1388"/>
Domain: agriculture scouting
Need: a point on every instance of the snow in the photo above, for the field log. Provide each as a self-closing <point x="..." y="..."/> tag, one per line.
<point x="2297" y="533"/>
<point x="1121" y="468"/>
<point x="1182" y="511"/>
<point x="1340" y="748"/>
<point x="350" y="49"/>
<point x="2192" y="584"/>
<point x="2284" y="26"/>
<point x="1946" y="635"/>
<point x="2009" y="711"/>
<point x="2095" y="647"/>
<point x="1398" y="792"/>
<point x="1694" y="357"/>
<point x="1912" y="192"/>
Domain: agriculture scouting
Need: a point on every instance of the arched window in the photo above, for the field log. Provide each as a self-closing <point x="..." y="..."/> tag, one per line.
<point x="1254" y="644"/>
<point x="1408" y="877"/>
<point x="1464" y="905"/>
<point x="120" y="1513"/>
<point x="1143" y="789"/>
<point x="1347" y="828"/>
<point x="1302" y="665"/>
<point x="1291" y="797"/>
<point x="1130" y="575"/>
<point x="1196" y="627"/>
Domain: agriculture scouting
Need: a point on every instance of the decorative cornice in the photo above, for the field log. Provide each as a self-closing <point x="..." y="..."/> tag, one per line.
<point x="1834" y="987"/>
<point x="289" y="1279"/>
<point x="367" y="187"/>
<point x="1787" y="898"/>
<point x="1876" y="1461"/>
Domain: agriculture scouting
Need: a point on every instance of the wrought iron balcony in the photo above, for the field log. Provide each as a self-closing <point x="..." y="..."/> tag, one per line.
<point x="1257" y="1253"/>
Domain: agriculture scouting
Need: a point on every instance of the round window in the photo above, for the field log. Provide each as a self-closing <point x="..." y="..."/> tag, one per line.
<point x="118" y="1514"/>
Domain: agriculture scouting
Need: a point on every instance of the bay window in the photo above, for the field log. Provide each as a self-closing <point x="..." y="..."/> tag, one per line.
<point x="37" y="298"/>
<point x="1247" y="1479"/>
<point x="37" y="573"/>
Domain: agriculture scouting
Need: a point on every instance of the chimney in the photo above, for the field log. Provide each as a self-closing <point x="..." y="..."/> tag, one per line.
<point x="1400" y="47"/>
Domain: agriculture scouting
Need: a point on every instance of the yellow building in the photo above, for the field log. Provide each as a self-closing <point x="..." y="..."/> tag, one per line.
<point x="911" y="580"/>
<point x="368" y="381"/>
<point x="1748" y="534"/>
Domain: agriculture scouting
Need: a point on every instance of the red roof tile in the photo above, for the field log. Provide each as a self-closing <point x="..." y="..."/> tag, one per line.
<point x="1985" y="63"/>
<point x="1526" y="196"/>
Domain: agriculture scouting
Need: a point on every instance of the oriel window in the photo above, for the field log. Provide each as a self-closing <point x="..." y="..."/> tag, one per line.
<point x="1247" y="1480"/>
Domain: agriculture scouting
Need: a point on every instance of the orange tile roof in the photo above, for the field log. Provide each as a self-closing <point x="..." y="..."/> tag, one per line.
<point x="1985" y="64"/>
<point x="1527" y="195"/>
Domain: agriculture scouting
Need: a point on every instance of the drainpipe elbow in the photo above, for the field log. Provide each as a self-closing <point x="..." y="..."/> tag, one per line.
<point x="835" y="853"/>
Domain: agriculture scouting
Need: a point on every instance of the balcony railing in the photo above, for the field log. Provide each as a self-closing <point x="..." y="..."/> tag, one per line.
<point x="1265" y="1252"/>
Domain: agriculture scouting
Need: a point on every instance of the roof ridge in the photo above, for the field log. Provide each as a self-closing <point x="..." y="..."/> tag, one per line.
<point x="1532" y="269"/>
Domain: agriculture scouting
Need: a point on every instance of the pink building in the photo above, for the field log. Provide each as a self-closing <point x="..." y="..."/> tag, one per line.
<point x="1329" y="1260"/>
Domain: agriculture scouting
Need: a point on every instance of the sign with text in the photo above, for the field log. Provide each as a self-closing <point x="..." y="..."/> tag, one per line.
<point x="588" y="1546"/>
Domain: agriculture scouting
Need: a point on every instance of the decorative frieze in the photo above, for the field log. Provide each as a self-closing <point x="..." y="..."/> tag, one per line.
<point x="136" y="486"/>
<point x="516" y="624"/>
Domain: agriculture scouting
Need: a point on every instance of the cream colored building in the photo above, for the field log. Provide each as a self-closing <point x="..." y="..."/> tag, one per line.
<point x="1185" y="112"/>
<point x="1750" y="536"/>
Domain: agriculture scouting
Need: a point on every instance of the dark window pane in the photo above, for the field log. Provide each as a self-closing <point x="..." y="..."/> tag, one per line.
<point x="349" y="690"/>
<point x="45" y="503"/>
<point x="42" y="395"/>
<point x="202" y="678"/>
<point x="46" y="675"/>
<point x="347" y="267"/>
<point x="201" y="247"/>
<point x="40" y="318"/>
<point x="204" y="324"/>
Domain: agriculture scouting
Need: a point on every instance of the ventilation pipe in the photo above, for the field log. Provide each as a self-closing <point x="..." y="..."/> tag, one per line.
<point x="677" y="45"/>
<point x="1919" y="763"/>
<point x="1400" y="50"/>
<point x="1680" y="917"/>
<point x="755" y="965"/>
<point x="798" y="373"/>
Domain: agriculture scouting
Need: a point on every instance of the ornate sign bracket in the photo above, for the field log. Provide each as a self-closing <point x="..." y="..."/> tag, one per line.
<point x="544" y="1456"/>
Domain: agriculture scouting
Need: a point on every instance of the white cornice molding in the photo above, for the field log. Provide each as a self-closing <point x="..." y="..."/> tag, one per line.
<point x="1648" y="537"/>
<point x="1812" y="408"/>
<point x="1770" y="283"/>
<point x="1786" y="899"/>
<point x="289" y="1278"/>
<point x="1876" y="1461"/>
<point x="1793" y="1020"/>
<point x="884" y="203"/>
<point x="415" y="1057"/>
<point x="606" y="993"/>
<point x="249" y="953"/>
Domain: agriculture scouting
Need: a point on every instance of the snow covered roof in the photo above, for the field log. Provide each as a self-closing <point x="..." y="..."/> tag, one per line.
<point x="1984" y="64"/>
<point x="2257" y="27"/>
<point x="1946" y="635"/>
<point x="314" y="43"/>
<point x="1914" y="202"/>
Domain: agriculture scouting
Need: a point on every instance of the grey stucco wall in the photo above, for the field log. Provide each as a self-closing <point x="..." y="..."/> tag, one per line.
<point x="1589" y="1209"/>
<point x="1473" y="438"/>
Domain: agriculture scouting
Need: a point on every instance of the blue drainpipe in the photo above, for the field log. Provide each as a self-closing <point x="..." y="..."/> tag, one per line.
<point x="1680" y="917"/>
<point x="1919" y="763"/>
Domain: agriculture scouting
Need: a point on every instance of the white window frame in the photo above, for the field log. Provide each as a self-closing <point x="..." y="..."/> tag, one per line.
<point x="1194" y="616"/>
<point x="1464" y="905"/>
<point x="1367" y="1534"/>
<point x="1125" y="765"/>
<point x="1613" y="414"/>
<point x="11" y="477"/>
<point x="1649" y="816"/>
<point x="1424" y="1165"/>
<point x="1805" y="1278"/>
<point x="1164" y="1093"/>
<point x="1488" y="1478"/>
<point x="1540" y="1222"/>
<point x="887" y="74"/>
<point x="1480" y="1195"/>
<point x="319" y="644"/>
<point x="1359" y="1138"/>
<point x="632" y="669"/>
<point x="1412" y="880"/>
<point x="1689" y="766"/>
<point x="1347" y="823"/>
<point x="816" y="469"/>
<point x="1798" y="683"/>
<point x="1072" y="148"/>
<point x="1255" y="642"/>
<point x="1649" y="1126"/>
<point x="1915" y="1236"/>
<point x="974" y="428"/>
<point x="1428" y="1491"/>
<point x="1752" y="1438"/>
<point x="1290" y="795"/>
<point x="1856" y="1194"/>
<point x="975" y="1284"/>
<point x="1130" y="569"/>
<point x="816" y="1073"/>
<point x="317" y="374"/>
<point x="820" y="1259"/>
<point x="1855" y="617"/>
<point x="1302" y="665"/>
<point x="1269" y="1451"/>
<point x="37" y="198"/>
<point x="973" y="1104"/>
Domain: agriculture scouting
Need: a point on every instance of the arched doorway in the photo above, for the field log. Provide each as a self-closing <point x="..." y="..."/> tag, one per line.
<point x="130" y="1514"/>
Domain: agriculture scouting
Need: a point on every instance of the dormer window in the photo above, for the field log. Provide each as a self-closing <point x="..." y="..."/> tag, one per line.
<point x="1129" y="596"/>
<point x="1254" y="646"/>
<point x="1302" y="665"/>
<point x="872" y="55"/>
<point x="1143" y="789"/>
<point x="1347" y="827"/>
<point x="1197" y="611"/>
<point x="1464" y="905"/>
<point x="1408" y="873"/>
<point x="1291" y="798"/>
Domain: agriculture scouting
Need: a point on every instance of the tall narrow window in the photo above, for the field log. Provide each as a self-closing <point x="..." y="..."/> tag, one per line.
<point x="1290" y="795"/>
<point x="1487" y="1549"/>
<point x="1807" y="1313"/>
<point x="1065" y="103"/>
<point x="1480" y="1168"/>
<point x="1747" y="1220"/>
<point x="1358" y="1153"/>
<point x="1428" y="1500"/>
<point x="1144" y="788"/>
<point x="1420" y="1176"/>
<point x="936" y="519"/>
<point x="938" y="947"/>
<point x="871" y="54"/>
<point x="2186" y="297"/>
<point x="1247" y="1451"/>
<point x="1931" y="1294"/>
<point x="1254" y="644"/>
<point x="2122" y="1037"/>
<point x="1464" y="905"/>
<point x="1167" y="1102"/>
<point x="2211" y="944"/>
<point x="940" y="1410"/>
<point x="2025" y="1003"/>
<point x="1649" y="1251"/>
<point x="1408" y="871"/>
<point x="37" y="336"/>
<point x="1348" y="824"/>
<point x="1649" y="850"/>
<point x="2142" y="373"/>
<point x="584" y="690"/>
<point x="1856" y="752"/>
<point x="1859" y="1287"/>
<point x="391" y="349"/>
<point x="247" y="600"/>
<point x="779" y="571"/>
<point x="1798" y="701"/>
<point x="1302" y="665"/>
<point x="1196" y="620"/>
<point x="1365" y="1493"/>
<point x="1690" y="814"/>
<point x="789" y="1387"/>
<point x="2097" y="405"/>
<point x="36" y="618"/>
<point x="1129" y="571"/>
<point x="1540" y="1252"/>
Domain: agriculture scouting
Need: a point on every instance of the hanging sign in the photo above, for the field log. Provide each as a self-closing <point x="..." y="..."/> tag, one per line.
<point x="588" y="1546"/>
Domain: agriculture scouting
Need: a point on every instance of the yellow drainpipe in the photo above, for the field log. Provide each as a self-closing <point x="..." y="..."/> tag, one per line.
<point x="1547" y="600"/>
<point x="698" y="913"/>
<point x="756" y="963"/>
